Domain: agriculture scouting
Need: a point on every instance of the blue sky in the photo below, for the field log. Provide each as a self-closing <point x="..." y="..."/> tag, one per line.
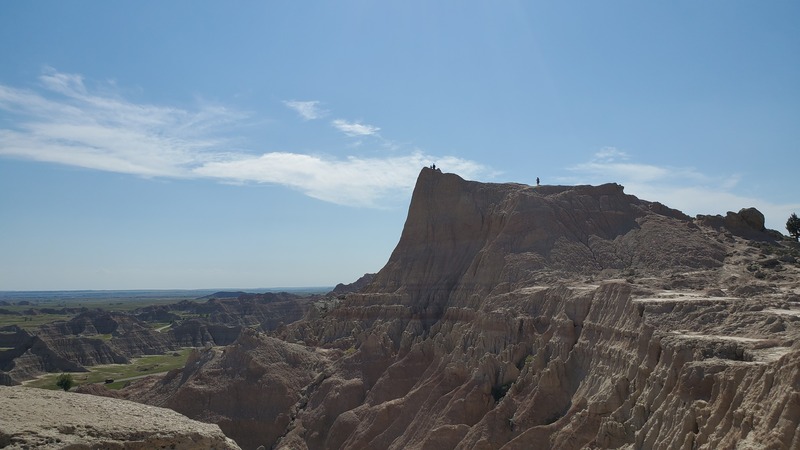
<point x="184" y="144"/>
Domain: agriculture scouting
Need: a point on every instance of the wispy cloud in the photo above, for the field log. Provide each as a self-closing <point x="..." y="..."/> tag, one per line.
<point x="67" y="124"/>
<point x="354" y="128"/>
<point x="684" y="188"/>
<point x="349" y="181"/>
<point x="609" y="154"/>
<point x="66" y="121"/>
<point x="308" y="110"/>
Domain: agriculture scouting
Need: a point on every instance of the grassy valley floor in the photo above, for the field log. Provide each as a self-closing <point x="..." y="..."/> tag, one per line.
<point x="120" y="373"/>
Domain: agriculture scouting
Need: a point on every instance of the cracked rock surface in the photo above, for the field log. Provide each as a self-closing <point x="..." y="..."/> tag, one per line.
<point x="42" y="419"/>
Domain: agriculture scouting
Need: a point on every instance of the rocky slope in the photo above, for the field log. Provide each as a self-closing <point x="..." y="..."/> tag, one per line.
<point x="41" y="419"/>
<point x="251" y="389"/>
<point x="95" y="337"/>
<point x="90" y="338"/>
<point x="512" y="316"/>
<point x="265" y="311"/>
<point x="356" y="286"/>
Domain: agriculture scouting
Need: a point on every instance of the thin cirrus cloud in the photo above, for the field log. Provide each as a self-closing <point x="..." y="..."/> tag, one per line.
<point x="308" y="110"/>
<point x="74" y="127"/>
<point x="684" y="188"/>
<point x="610" y="163"/>
<point x="354" y="128"/>
<point x="311" y="110"/>
<point x="66" y="122"/>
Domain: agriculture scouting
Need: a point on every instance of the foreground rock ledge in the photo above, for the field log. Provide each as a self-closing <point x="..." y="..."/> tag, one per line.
<point x="42" y="419"/>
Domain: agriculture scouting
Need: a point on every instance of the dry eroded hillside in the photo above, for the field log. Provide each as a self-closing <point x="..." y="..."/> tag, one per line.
<point x="520" y="317"/>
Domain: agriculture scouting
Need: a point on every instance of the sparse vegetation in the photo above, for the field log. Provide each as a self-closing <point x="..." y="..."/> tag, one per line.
<point x="65" y="381"/>
<point x="29" y="322"/>
<point x="146" y="365"/>
<point x="31" y="314"/>
<point x="159" y="326"/>
<point x="793" y="226"/>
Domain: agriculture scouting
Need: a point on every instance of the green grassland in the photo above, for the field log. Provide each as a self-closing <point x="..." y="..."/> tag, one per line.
<point x="30" y="316"/>
<point x="145" y="365"/>
<point x="106" y="303"/>
<point x="31" y="321"/>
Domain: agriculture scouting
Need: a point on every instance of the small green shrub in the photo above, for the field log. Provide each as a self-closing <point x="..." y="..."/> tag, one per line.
<point x="793" y="227"/>
<point x="65" y="381"/>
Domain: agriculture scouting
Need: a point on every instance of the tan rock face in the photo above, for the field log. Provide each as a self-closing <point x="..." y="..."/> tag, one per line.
<point x="42" y="419"/>
<point x="249" y="388"/>
<point x="482" y="237"/>
<point x="523" y="317"/>
<point x="562" y="317"/>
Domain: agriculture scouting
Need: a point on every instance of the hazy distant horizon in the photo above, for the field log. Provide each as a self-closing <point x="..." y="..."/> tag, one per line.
<point x="147" y="293"/>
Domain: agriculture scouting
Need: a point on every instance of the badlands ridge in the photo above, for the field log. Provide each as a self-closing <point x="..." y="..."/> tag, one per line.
<point x="519" y="317"/>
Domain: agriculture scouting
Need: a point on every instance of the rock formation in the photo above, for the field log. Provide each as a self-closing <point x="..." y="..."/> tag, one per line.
<point x="517" y="317"/>
<point x="100" y="337"/>
<point x="90" y="338"/>
<point x="251" y="389"/>
<point x="356" y="286"/>
<point x="266" y="311"/>
<point x="41" y="419"/>
<point x="510" y="317"/>
<point x="198" y="333"/>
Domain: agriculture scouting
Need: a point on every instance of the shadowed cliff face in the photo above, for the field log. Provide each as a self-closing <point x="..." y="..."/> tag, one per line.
<point x="519" y="317"/>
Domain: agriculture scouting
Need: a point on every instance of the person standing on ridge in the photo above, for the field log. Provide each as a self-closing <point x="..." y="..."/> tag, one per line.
<point x="537" y="181"/>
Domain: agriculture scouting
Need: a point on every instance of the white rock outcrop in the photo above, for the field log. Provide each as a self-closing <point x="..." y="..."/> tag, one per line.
<point x="42" y="419"/>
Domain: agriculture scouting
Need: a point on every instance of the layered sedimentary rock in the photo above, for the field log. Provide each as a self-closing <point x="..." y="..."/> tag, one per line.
<point x="41" y="419"/>
<point x="250" y="388"/>
<point x="99" y="337"/>
<point x="90" y="338"/>
<point x="510" y="316"/>
<point x="518" y="317"/>
<point x="198" y="333"/>
<point x="356" y="286"/>
<point x="266" y="311"/>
